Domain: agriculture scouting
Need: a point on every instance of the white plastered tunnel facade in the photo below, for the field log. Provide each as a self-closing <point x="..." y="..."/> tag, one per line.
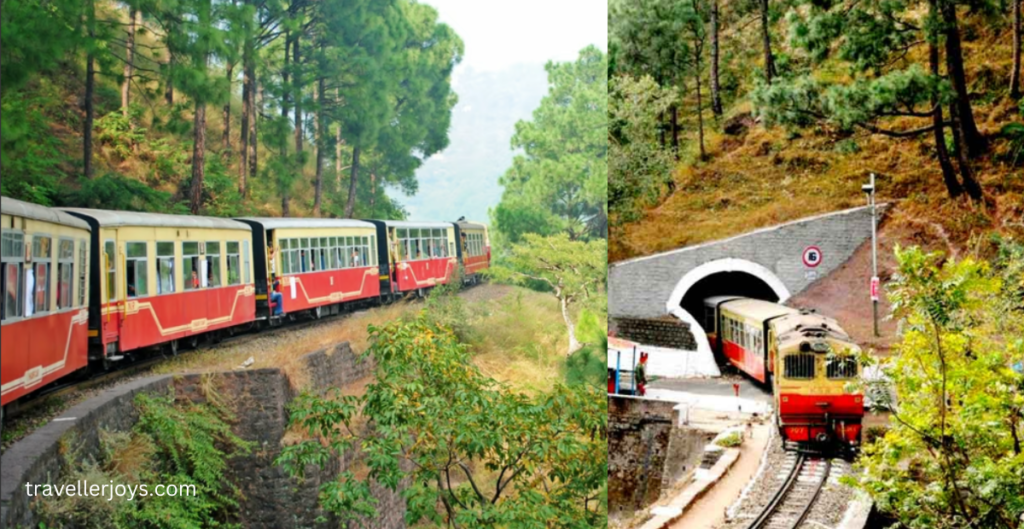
<point x="704" y="272"/>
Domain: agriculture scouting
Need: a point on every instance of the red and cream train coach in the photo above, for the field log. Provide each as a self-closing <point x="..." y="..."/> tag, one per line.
<point x="807" y="359"/>
<point x="420" y="255"/>
<point x="474" y="249"/>
<point x="165" y="279"/>
<point x="319" y="264"/>
<point x="44" y="313"/>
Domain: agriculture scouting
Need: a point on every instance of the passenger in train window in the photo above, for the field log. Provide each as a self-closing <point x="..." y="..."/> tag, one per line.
<point x="355" y="258"/>
<point x="195" y="279"/>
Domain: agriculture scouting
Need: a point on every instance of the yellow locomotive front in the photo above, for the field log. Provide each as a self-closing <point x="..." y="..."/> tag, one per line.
<point x="815" y="361"/>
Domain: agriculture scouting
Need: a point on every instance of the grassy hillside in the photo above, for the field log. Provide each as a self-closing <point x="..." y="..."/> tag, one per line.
<point x="760" y="176"/>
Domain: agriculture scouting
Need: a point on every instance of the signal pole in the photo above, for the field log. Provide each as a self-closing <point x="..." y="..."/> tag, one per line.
<point x="870" y="190"/>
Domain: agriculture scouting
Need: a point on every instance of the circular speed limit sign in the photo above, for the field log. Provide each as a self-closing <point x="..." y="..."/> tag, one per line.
<point x="812" y="256"/>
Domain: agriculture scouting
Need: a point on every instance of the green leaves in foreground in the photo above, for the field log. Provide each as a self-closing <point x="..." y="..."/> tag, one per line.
<point x="953" y="457"/>
<point x="471" y="452"/>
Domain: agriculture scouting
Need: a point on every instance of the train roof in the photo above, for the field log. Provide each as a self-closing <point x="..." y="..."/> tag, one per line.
<point x="467" y="225"/>
<point x="757" y="309"/>
<point x="18" y="208"/>
<point x="159" y="220"/>
<point x="715" y="300"/>
<point x="799" y="327"/>
<point x="273" y="223"/>
<point x="413" y="224"/>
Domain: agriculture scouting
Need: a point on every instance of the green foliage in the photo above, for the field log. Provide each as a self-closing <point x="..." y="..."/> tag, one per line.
<point x="638" y="166"/>
<point x="574" y="271"/>
<point x="29" y="151"/>
<point x="732" y="440"/>
<point x="559" y="184"/>
<point x="953" y="457"/>
<point x="112" y="191"/>
<point x="589" y="365"/>
<point x="116" y="131"/>
<point x="444" y="308"/>
<point x="477" y="454"/>
<point x="1015" y="133"/>
<point x="179" y="444"/>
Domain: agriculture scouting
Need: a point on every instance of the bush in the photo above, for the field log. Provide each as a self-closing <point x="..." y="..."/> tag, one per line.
<point x="732" y="440"/>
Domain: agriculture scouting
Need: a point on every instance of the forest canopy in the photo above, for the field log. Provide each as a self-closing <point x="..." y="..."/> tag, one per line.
<point x="223" y="107"/>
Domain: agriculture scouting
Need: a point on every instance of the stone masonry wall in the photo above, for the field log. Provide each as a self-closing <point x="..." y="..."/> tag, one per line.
<point x="641" y="287"/>
<point x="259" y="398"/>
<point x="659" y="332"/>
<point x="639" y="431"/>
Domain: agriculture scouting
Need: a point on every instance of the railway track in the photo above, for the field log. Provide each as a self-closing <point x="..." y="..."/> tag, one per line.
<point x="792" y="502"/>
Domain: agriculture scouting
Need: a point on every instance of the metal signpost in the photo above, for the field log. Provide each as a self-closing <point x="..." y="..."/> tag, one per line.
<point x="870" y="190"/>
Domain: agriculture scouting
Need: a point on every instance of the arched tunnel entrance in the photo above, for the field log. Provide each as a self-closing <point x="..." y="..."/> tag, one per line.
<point x="737" y="277"/>
<point x="725" y="284"/>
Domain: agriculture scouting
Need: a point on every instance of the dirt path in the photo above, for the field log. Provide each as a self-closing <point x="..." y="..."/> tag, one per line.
<point x="709" y="511"/>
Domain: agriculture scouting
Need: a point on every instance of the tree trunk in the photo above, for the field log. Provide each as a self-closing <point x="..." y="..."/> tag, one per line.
<point x="350" y="205"/>
<point x="674" y="123"/>
<point x="338" y="142"/>
<point x="661" y="128"/>
<point x="973" y="139"/>
<point x="198" y="157"/>
<point x="1015" y="69"/>
<point x="574" y="344"/>
<point x="700" y="106"/>
<point x="766" y="37"/>
<point x="297" y="79"/>
<point x="966" y="173"/>
<point x="243" y="130"/>
<point x="285" y="109"/>
<point x="90" y="82"/>
<point x="373" y="190"/>
<point x="129" y="63"/>
<point x="254" y="115"/>
<point x="321" y="134"/>
<point x="227" y="115"/>
<point x="169" y="89"/>
<point x="948" y="174"/>
<point x="716" y="97"/>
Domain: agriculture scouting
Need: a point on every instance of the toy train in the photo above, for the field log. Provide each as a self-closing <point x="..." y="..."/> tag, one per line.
<point x="805" y="358"/>
<point x="86" y="288"/>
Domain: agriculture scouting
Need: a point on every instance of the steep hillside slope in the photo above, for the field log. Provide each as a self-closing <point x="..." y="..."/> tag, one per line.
<point x="756" y="176"/>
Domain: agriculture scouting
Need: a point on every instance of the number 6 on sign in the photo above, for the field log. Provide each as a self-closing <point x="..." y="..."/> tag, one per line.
<point x="812" y="256"/>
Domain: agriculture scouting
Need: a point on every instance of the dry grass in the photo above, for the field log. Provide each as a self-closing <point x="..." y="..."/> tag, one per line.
<point x="517" y="335"/>
<point x="765" y="176"/>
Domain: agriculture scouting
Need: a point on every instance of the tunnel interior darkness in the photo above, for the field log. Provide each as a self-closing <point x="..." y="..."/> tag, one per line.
<point x="725" y="284"/>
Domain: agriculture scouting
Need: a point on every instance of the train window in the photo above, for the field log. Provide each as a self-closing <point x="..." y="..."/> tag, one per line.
<point x="136" y="271"/>
<point x="245" y="262"/>
<point x="234" y="264"/>
<point x="333" y="253"/>
<point x="359" y="252"/>
<point x="322" y="254"/>
<point x="841" y="367"/>
<point x="314" y="254"/>
<point x="13" y="258"/>
<point x="81" y="272"/>
<point x="799" y="366"/>
<point x="165" y="268"/>
<point x="65" y="273"/>
<point x="304" y="258"/>
<point x="191" y="269"/>
<point x="110" y="258"/>
<point x="213" y="264"/>
<point x="42" y="253"/>
<point x="294" y="258"/>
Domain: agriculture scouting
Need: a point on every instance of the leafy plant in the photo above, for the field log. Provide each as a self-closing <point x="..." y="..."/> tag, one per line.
<point x="1015" y="133"/>
<point x="474" y="453"/>
<point x="953" y="456"/>
<point x="117" y="131"/>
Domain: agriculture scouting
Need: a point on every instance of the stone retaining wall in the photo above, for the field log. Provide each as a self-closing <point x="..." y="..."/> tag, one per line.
<point x="661" y="332"/>
<point x="260" y="398"/>
<point x="639" y="431"/>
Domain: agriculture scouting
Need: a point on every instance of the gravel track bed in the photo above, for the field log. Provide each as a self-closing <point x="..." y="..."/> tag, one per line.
<point x="828" y="509"/>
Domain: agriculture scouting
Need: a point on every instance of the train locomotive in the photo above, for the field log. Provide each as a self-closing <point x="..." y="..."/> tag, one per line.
<point x="807" y="360"/>
<point x="84" y="288"/>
